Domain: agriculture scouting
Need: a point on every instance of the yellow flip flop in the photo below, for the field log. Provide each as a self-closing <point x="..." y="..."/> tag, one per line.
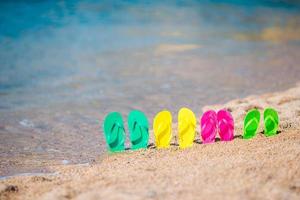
<point x="162" y="127"/>
<point x="186" y="127"/>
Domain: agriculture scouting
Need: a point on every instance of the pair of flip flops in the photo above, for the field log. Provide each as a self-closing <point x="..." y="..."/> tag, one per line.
<point x="162" y="127"/>
<point x="252" y="120"/>
<point x="114" y="131"/>
<point x="213" y="123"/>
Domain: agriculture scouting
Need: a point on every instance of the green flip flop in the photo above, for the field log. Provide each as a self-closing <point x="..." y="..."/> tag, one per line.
<point x="251" y="124"/>
<point x="138" y="128"/>
<point x="114" y="132"/>
<point x="271" y="121"/>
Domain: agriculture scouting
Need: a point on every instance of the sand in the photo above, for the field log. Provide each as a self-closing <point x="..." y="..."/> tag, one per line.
<point x="260" y="168"/>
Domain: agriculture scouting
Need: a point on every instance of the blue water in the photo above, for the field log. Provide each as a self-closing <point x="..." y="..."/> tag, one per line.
<point x="65" y="65"/>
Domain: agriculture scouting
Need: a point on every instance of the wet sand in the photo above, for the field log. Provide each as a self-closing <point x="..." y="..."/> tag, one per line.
<point x="260" y="168"/>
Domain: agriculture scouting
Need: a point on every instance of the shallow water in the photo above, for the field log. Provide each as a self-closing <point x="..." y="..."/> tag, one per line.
<point x="65" y="65"/>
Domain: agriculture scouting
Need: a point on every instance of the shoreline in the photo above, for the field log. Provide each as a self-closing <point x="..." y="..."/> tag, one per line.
<point x="263" y="167"/>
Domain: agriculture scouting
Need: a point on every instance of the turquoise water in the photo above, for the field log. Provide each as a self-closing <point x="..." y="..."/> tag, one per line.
<point x="65" y="65"/>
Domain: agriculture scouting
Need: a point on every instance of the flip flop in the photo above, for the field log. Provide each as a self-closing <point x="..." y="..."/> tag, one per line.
<point x="226" y="125"/>
<point x="162" y="127"/>
<point x="186" y="127"/>
<point x="251" y="124"/>
<point x="209" y="126"/>
<point x="271" y="121"/>
<point x="114" y="132"/>
<point x="138" y="128"/>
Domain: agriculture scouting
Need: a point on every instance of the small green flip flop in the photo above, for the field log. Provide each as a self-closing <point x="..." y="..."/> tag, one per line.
<point x="138" y="128"/>
<point x="271" y="121"/>
<point x="114" y="132"/>
<point x="251" y="124"/>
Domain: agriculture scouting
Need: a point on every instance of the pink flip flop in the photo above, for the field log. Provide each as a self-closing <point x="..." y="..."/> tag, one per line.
<point x="209" y="126"/>
<point x="226" y="125"/>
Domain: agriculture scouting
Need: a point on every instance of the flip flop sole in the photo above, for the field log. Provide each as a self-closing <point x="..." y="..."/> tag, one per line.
<point x="186" y="127"/>
<point x="209" y="127"/>
<point x="251" y="124"/>
<point x="114" y="132"/>
<point x="162" y="127"/>
<point x="271" y="122"/>
<point x="138" y="128"/>
<point x="226" y="125"/>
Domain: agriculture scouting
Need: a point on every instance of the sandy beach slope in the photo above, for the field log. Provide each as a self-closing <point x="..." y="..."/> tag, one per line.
<point x="261" y="168"/>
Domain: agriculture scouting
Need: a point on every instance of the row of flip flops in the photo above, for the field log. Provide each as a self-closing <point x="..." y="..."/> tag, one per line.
<point x="211" y="122"/>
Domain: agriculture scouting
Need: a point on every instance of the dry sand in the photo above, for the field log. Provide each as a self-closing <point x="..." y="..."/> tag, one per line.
<point x="261" y="168"/>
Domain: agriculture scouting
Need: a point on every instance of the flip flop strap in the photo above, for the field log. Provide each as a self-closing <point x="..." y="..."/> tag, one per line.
<point x="273" y="120"/>
<point x="116" y="127"/>
<point x="140" y="129"/>
<point x="226" y="122"/>
<point x="188" y="124"/>
<point x="223" y="121"/>
<point x="162" y="128"/>
<point x="210" y="120"/>
<point x="250" y="121"/>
